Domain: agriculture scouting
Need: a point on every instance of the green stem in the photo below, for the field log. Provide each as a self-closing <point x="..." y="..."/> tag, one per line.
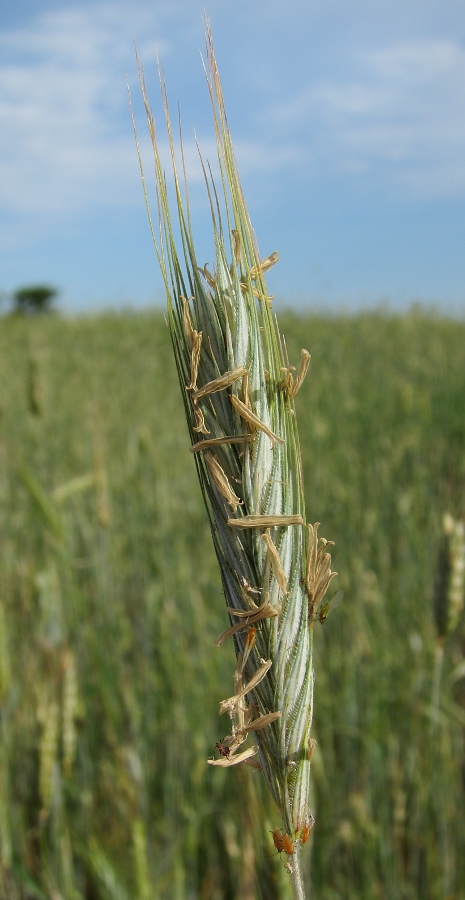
<point x="295" y="871"/>
<point x="436" y="694"/>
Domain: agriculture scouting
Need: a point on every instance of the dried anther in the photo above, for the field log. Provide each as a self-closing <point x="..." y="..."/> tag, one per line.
<point x="245" y="614"/>
<point x="249" y="644"/>
<point x="292" y="387"/>
<point x="245" y="392"/>
<point x="232" y="702"/>
<point x="287" y="383"/>
<point x="260" y="296"/>
<point x="189" y="329"/>
<point x="199" y="421"/>
<point x="253" y="420"/>
<point x="234" y="759"/>
<point x="318" y="575"/>
<point x="214" y="442"/>
<point x="265" y="521"/>
<point x="219" y="384"/>
<point x="243" y="715"/>
<point x="195" y="359"/>
<point x="266" y="611"/>
<point x="264" y="265"/>
<point x="220" y="478"/>
<point x="211" y="281"/>
<point x="272" y="558"/>
<point x="311" y="749"/>
<point x="248" y="588"/>
<point x="304" y="364"/>
<point x="261" y="722"/>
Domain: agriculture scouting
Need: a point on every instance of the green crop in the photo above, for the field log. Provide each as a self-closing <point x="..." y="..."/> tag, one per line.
<point x="110" y="604"/>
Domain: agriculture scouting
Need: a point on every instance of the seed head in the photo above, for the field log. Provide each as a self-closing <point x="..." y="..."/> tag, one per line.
<point x="450" y="577"/>
<point x="240" y="411"/>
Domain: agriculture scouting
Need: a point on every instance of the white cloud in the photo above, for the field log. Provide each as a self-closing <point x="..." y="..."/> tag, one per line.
<point x="417" y="62"/>
<point x="396" y="116"/>
<point x="62" y="144"/>
<point x="400" y="118"/>
<point x="66" y="145"/>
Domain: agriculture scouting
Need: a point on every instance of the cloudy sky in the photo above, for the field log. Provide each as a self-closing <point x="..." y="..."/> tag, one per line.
<point x="348" y="118"/>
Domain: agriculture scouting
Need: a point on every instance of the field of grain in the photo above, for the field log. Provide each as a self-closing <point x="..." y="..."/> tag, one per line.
<point x="110" y="601"/>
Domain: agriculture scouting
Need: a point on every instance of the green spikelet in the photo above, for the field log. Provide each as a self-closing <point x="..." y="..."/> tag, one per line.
<point x="238" y="392"/>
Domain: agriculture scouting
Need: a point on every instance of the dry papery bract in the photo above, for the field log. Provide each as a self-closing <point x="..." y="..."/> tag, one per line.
<point x="238" y="391"/>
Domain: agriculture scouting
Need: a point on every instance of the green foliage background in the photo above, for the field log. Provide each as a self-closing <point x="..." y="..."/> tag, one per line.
<point x="105" y="793"/>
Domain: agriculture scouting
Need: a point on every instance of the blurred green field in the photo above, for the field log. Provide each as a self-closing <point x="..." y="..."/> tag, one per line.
<point x="110" y="601"/>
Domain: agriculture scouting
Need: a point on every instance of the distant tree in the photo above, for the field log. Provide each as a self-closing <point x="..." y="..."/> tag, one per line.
<point x="34" y="299"/>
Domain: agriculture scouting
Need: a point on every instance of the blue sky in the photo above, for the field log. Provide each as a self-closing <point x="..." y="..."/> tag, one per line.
<point x="348" y="118"/>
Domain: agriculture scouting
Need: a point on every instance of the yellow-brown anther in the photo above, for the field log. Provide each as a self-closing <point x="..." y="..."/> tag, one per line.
<point x="260" y="296"/>
<point x="208" y="278"/>
<point x="245" y="614"/>
<point x="232" y="759"/>
<point x="189" y="330"/>
<point x="245" y="391"/>
<point x="195" y="359"/>
<point x="311" y="555"/>
<point x="199" y="421"/>
<point x="292" y="387"/>
<point x="219" y="384"/>
<point x="304" y="364"/>
<point x="266" y="611"/>
<point x="261" y="722"/>
<point x="318" y="574"/>
<point x="265" y="521"/>
<point x="253" y="420"/>
<point x="288" y="380"/>
<point x="249" y="644"/>
<point x="214" y="442"/>
<point x="264" y="265"/>
<point x="312" y="745"/>
<point x="272" y="557"/>
<point x="220" y="478"/>
<point x="240" y="710"/>
<point x="231" y="703"/>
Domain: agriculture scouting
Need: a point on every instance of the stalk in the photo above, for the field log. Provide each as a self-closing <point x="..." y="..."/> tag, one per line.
<point x="238" y="391"/>
<point x="295" y="871"/>
<point x="449" y="592"/>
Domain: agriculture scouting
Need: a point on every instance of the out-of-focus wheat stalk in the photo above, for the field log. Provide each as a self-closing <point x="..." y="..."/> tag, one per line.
<point x="238" y="390"/>
<point x="448" y="597"/>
